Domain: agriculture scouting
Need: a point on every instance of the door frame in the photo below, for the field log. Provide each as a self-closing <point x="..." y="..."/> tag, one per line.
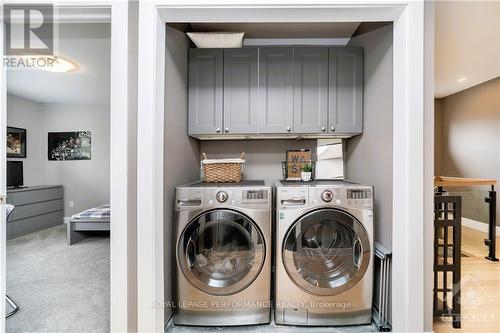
<point x="412" y="191"/>
<point x="122" y="178"/>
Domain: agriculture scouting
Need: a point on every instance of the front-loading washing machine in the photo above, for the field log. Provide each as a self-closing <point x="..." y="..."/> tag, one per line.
<point x="223" y="254"/>
<point x="324" y="250"/>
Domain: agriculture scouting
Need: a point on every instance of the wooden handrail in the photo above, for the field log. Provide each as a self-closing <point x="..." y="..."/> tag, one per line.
<point x="459" y="181"/>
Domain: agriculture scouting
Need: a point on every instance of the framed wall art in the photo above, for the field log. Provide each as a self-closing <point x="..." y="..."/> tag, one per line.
<point x="16" y="142"/>
<point x="69" y="146"/>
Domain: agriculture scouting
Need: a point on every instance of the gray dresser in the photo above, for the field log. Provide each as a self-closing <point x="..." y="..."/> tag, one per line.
<point x="37" y="208"/>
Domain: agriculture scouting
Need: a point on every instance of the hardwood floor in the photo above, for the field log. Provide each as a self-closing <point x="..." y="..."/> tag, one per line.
<point x="480" y="288"/>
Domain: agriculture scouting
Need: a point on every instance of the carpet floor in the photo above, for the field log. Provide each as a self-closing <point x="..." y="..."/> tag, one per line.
<point x="58" y="288"/>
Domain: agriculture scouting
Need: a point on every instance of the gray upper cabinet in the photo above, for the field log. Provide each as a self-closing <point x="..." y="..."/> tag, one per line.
<point x="276" y="90"/>
<point x="205" y="91"/>
<point x="345" y="107"/>
<point x="241" y="90"/>
<point x="310" y="90"/>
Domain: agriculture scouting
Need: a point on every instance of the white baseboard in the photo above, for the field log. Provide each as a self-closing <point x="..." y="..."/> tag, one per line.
<point x="476" y="225"/>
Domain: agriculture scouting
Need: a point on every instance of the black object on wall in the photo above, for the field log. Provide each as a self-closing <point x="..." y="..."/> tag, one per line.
<point x="491" y="200"/>
<point x="69" y="146"/>
<point x="16" y="142"/>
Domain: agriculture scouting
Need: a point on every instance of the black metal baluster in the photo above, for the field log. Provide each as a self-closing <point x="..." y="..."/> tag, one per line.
<point x="491" y="241"/>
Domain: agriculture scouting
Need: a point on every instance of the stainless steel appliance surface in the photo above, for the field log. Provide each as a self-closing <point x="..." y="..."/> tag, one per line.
<point x="223" y="254"/>
<point x="324" y="253"/>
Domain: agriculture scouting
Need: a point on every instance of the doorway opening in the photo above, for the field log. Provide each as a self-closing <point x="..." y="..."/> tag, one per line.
<point x="58" y="185"/>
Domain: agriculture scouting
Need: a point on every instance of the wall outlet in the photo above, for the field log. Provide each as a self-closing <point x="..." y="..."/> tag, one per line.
<point x="71" y="204"/>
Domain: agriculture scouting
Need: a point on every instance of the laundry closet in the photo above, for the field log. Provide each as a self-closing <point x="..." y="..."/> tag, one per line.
<point x="290" y="87"/>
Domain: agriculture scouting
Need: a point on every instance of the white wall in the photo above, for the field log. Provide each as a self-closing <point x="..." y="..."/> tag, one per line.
<point x="25" y="113"/>
<point x="369" y="156"/>
<point x="86" y="183"/>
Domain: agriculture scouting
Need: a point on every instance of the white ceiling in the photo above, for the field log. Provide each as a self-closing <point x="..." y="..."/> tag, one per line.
<point x="467" y="44"/>
<point x="86" y="44"/>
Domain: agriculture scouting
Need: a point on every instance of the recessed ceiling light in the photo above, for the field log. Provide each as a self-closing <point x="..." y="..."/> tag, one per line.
<point x="462" y="79"/>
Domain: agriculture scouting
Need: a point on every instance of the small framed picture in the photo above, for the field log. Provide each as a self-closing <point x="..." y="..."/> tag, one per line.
<point x="16" y="142"/>
<point x="295" y="160"/>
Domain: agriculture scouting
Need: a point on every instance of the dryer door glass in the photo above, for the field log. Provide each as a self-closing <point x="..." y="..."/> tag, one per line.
<point x="221" y="252"/>
<point x="326" y="252"/>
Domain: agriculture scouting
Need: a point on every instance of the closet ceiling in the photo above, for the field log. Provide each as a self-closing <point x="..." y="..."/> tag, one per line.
<point x="86" y="44"/>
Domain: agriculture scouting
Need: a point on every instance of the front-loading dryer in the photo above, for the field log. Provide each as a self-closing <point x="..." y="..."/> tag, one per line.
<point x="223" y="254"/>
<point x="324" y="249"/>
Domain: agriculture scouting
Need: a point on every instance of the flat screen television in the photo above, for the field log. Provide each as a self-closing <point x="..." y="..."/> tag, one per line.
<point x="14" y="173"/>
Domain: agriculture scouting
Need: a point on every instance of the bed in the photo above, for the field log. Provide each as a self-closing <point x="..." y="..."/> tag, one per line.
<point x="93" y="219"/>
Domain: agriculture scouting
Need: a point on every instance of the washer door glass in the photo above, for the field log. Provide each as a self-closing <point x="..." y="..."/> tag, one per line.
<point x="221" y="252"/>
<point x="326" y="252"/>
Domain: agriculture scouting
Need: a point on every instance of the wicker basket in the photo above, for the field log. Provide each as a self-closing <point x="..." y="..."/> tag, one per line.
<point x="223" y="170"/>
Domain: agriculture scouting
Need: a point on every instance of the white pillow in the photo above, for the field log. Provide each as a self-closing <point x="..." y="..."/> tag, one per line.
<point x="217" y="39"/>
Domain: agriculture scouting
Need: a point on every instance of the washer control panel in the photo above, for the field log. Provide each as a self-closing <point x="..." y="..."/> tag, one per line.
<point x="255" y="194"/>
<point x="206" y="198"/>
<point x="360" y="197"/>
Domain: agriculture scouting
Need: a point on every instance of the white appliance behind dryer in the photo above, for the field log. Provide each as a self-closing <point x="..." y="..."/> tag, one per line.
<point x="324" y="253"/>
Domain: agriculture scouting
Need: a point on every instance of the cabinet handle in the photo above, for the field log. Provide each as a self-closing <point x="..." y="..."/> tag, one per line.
<point x="332" y="128"/>
<point x="226" y="130"/>
<point x="323" y="128"/>
<point x="218" y="130"/>
<point x="288" y="128"/>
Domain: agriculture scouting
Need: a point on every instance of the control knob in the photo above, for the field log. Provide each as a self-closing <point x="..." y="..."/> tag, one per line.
<point x="327" y="196"/>
<point x="221" y="196"/>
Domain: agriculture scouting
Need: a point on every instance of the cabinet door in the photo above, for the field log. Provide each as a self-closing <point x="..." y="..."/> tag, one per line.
<point x="275" y="90"/>
<point x="205" y="91"/>
<point x="241" y="90"/>
<point x="346" y="90"/>
<point x="310" y="90"/>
